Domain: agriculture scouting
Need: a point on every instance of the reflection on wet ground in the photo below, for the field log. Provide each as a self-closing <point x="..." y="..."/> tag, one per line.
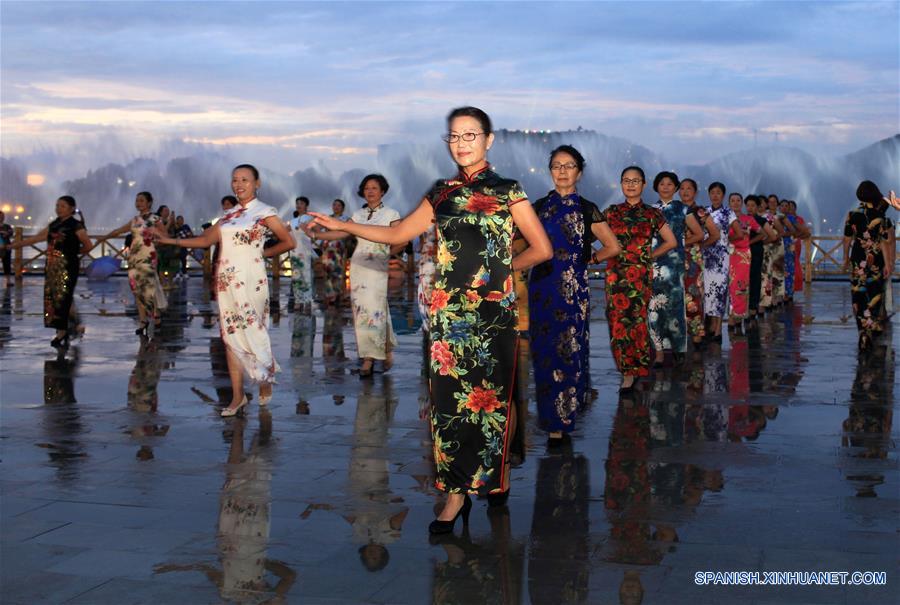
<point x="121" y="484"/>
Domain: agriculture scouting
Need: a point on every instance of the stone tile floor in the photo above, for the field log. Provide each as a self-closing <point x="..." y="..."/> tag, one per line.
<point x="121" y="484"/>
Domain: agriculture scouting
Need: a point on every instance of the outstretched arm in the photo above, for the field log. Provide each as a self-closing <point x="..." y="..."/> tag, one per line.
<point x="39" y="236"/>
<point x="400" y="232"/>
<point x="204" y="240"/>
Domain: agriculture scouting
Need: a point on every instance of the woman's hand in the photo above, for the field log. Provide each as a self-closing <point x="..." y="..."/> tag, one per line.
<point x="892" y="200"/>
<point x="329" y="223"/>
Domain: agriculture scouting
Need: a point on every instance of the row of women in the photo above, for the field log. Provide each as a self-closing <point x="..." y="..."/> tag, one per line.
<point x="472" y="307"/>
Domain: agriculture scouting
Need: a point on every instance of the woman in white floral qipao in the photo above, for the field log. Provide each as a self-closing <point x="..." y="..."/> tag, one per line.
<point x="242" y="284"/>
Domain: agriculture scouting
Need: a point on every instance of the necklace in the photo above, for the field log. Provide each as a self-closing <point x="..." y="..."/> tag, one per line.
<point x="374" y="210"/>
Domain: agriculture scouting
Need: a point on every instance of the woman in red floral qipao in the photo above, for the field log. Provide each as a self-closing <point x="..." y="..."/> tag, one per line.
<point x="629" y="276"/>
<point x="473" y="314"/>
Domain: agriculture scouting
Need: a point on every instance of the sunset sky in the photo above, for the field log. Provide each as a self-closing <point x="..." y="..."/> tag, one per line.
<point x="302" y="82"/>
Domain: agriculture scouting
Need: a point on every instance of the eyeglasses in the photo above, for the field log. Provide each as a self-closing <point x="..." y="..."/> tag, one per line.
<point x="558" y="167"/>
<point x="632" y="181"/>
<point x="466" y="136"/>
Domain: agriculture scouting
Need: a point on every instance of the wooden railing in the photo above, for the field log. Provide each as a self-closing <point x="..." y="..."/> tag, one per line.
<point x="27" y="259"/>
<point x="827" y="250"/>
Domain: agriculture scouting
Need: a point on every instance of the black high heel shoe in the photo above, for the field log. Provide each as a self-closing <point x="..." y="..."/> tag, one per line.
<point x="142" y="331"/>
<point x="446" y="527"/>
<point x="60" y="342"/>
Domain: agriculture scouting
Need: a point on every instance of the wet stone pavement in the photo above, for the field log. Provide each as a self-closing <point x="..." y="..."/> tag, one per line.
<point x="121" y="484"/>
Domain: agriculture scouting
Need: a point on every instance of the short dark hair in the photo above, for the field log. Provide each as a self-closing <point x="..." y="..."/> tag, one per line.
<point x="737" y="194"/>
<point x="665" y="174"/>
<point x="249" y="167"/>
<point x="160" y="209"/>
<point x="68" y="199"/>
<point x="692" y="182"/>
<point x="341" y="202"/>
<point x="751" y="198"/>
<point x="379" y="178"/>
<point x="230" y="199"/>
<point x="637" y="168"/>
<point x="471" y="112"/>
<point x="147" y="195"/>
<point x="868" y="192"/>
<point x="576" y="155"/>
<point x="717" y="185"/>
<point x="772" y="195"/>
<point x="303" y="199"/>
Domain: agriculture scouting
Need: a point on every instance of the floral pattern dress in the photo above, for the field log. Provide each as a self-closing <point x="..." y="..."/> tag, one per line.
<point x="368" y="287"/>
<point x="668" y="329"/>
<point x="559" y="304"/>
<point x="798" y="254"/>
<point x="715" y="265"/>
<point x="775" y="266"/>
<point x="142" y="267"/>
<point x="243" y="289"/>
<point x="693" y="280"/>
<point x="473" y="331"/>
<point x="628" y="284"/>
<point x="301" y="258"/>
<point x="61" y="271"/>
<point x="789" y="258"/>
<point x="739" y="269"/>
<point x="334" y="266"/>
<point x="867" y="228"/>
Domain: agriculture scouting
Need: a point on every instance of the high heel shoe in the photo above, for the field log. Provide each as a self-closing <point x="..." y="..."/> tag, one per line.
<point x="60" y="342"/>
<point x="230" y="411"/>
<point x="445" y="527"/>
<point x="142" y="331"/>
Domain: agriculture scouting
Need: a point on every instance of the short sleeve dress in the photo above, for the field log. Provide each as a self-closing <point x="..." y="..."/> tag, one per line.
<point x="368" y="287"/>
<point x="559" y="302"/>
<point x="142" y="266"/>
<point x="629" y="279"/>
<point x="715" y="265"/>
<point x="243" y="289"/>
<point x="473" y="331"/>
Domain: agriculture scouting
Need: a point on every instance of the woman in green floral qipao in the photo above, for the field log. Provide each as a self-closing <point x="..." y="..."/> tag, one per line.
<point x="473" y="311"/>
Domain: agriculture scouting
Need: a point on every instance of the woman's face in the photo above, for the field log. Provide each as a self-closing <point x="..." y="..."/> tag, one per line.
<point x="469" y="153"/>
<point x="244" y="184"/>
<point x="372" y="192"/>
<point x="772" y="203"/>
<point x="564" y="171"/>
<point x="687" y="193"/>
<point x="301" y="206"/>
<point x="632" y="183"/>
<point x="716" y="196"/>
<point x="666" y="189"/>
<point x="142" y="204"/>
<point x="752" y="207"/>
<point x="337" y="208"/>
<point x="736" y="203"/>
<point x="64" y="210"/>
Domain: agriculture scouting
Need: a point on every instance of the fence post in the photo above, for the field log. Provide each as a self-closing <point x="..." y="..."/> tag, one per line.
<point x="17" y="263"/>
<point x="807" y="273"/>
<point x="206" y="263"/>
<point x="276" y="271"/>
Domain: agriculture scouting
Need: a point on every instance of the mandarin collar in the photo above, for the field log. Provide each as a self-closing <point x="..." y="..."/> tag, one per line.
<point x="475" y="177"/>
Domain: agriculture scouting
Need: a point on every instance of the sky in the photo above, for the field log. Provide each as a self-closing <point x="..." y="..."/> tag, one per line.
<point x="297" y="83"/>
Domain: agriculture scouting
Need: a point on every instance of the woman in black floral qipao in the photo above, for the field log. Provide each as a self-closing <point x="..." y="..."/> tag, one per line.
<point x="473" y="311"/>
<point x="866" y="248"/>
